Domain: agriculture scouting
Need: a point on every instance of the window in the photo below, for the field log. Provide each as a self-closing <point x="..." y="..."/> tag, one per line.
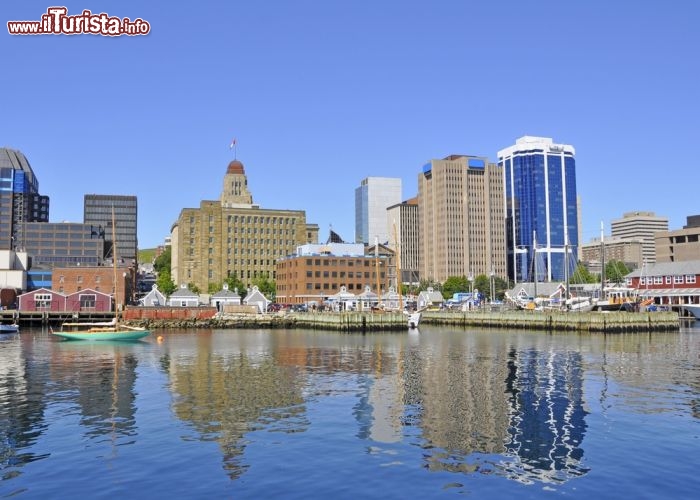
<point x="678" y="280"/>
<point x="88" y="301"/>
<point x="690" y="278"/>
<point x="79" y="279"/>
<point x="668" y="280"/>
<point x="658" y="280"/>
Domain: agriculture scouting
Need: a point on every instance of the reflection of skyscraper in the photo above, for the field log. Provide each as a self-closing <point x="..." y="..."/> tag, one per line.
<point x="547" y="421"/>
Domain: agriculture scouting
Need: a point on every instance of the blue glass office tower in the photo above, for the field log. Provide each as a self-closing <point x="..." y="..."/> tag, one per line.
<point x="20" y="201"/>
<point x="540" y="208"/>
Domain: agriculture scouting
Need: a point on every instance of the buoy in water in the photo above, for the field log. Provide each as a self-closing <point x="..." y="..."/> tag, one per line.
<point x="159" y="338"/>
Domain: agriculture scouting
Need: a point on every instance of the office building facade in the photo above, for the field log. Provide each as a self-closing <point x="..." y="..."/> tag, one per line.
<point x="372" y="198"/>
<point x="679" y="245"/>
<point x="460" y="205"/>
<point x="404" y="237"/>
<point x="316" y="272"/>
<point x="20" y="201"/>
<point x="541" y="208"/>
<point x="233" y="237"/>
<point x="641" y="225"/>
<point x="97" y="211"/>
<point x="63" y="244"/>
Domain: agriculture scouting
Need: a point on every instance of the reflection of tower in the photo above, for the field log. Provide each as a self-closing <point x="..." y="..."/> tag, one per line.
<point x="547" y="422"/>
<point x="380" y="408"/>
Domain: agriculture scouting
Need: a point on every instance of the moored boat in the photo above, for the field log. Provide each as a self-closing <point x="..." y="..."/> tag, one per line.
<point x="111" y="330"/>
<point x="9" y="328"/>
<point x="693" y="309"/>
<point x="413" y="319"/>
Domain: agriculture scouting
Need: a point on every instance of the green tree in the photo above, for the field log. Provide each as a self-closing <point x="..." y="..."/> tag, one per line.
<point x="582" y="275"/>
<point x="193" y="288"/>
<point x="454" y="284"/>
<point x="483" y="284"/>
<point x="165" y="282"/>
<point x="162" y="262"/>
<point x="615" y="271"/>
<point x="266" y="286"/>
<point x="235" y="284"/>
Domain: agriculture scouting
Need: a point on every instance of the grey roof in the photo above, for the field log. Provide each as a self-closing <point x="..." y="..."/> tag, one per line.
<point x="543" y="289"/>
<point x="226" y="294"/>
<point x="184" y="292"/>
<point x="667" y="269"/>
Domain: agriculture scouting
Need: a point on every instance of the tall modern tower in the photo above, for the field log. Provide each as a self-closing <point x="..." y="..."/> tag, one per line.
<point x="372" y="198"/>
<point x="20" y="200"/>
<point x="541" y="208"/>
<point x="460" y="209"/>
<point x="97" y="211"/>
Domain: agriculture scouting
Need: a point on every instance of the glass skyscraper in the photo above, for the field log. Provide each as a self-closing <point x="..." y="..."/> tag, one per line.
<point x="540" y="208"/>
<point x="372" y="198"/>
<point x="20" y="201"/>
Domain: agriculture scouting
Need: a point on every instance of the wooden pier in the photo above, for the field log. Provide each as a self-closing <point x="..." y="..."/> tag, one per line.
<point x="552" y="321"/>
<point x="614" y="322"/>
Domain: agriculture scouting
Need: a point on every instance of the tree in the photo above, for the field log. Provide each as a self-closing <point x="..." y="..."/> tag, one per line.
<point x="193" y="288"/>
<point x="615" y="271"/>
<point x="454" y="284"/>
<point x="165" y="282"/>
<point x="235" y="284"/>
<point x="582" y="275"/>
<point x="483" y="284"/>
<point x="266" y="286"/>
<point x="162" y="262"/>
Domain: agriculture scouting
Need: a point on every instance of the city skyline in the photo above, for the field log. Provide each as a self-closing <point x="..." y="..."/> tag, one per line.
<point x="315" y="107"/>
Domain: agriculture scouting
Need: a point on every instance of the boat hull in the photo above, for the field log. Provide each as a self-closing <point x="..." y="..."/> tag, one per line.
<point x="693" y="309"/>
<point x="116" y="335"/>
<point x="8" y="329"/>
<point x="413" y="320"/>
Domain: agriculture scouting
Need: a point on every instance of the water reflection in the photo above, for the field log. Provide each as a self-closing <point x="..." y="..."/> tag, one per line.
<point x="21" y="411"/>
<point x="547" y="418"/>
<point x="514" y="405"/>
<point x="226" y="391"/>
<point x="97" y="380"/>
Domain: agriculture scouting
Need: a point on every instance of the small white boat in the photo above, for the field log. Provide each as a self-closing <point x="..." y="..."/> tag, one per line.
<point x="693" y="309"/>
<point x="11" y="328"/>
<point x="413" y="319"/>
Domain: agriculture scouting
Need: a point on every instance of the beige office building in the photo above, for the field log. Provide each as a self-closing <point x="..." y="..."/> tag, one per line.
<point x="642" y="225"/>
<point x="403" y="220"/>
<point x="460" y="205"/>
<point x="234" y="237"/>
<point x="679" y="245"/>
<point x="628" y="251"/>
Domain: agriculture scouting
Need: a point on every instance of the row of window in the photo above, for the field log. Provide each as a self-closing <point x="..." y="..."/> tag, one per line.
<point x="322" y="286"/>
<point x="665" y="280"/>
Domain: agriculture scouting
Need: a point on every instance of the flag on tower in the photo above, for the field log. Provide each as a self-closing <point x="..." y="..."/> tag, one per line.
<point x="233" y="143"/>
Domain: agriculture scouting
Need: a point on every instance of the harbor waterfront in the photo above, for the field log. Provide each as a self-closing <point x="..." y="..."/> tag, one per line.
<point x="609" y="322"/>
<point x="294" y="413"/>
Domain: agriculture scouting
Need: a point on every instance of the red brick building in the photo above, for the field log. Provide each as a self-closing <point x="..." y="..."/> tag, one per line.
<point x="68" y="280"/>
<point x="319" y="271"/>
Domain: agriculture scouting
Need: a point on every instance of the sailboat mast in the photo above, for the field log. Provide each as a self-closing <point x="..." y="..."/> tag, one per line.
<point x="114" y="267"/>
<point x="602" y="261"/>
<point x="534" y="257"/>
<point x="398" y="269"/>
<point x="376" y="268"/>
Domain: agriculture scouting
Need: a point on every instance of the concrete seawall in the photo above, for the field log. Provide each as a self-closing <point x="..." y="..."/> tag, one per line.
<point x="614" y="322"/>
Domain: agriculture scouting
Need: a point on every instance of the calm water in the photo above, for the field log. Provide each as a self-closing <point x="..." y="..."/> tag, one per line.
<point x="295" y="414"/>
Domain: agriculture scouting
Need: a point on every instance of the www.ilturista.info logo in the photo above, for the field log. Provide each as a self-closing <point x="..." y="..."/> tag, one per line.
<point x="56" y="21"/>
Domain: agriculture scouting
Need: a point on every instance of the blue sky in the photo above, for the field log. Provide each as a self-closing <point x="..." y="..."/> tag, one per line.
<point x="321" y="94"/>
